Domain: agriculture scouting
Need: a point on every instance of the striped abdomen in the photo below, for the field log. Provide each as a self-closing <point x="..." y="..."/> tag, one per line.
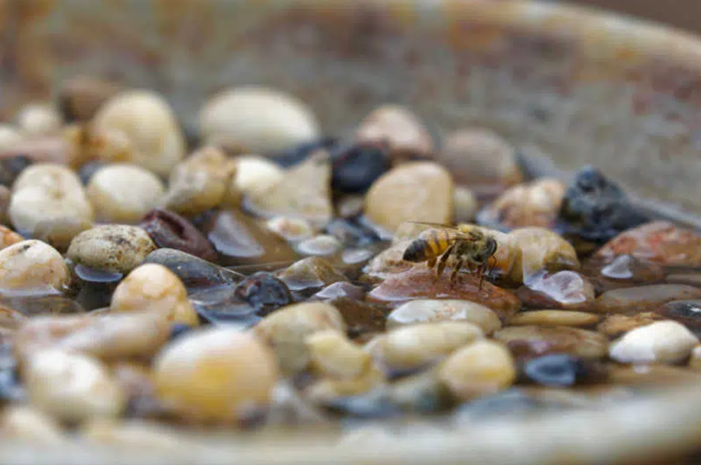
<point x="430" y="244"/>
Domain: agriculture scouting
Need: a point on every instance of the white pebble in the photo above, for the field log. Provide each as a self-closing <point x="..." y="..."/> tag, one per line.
<point x="32" y="268"/>
<point x="662" y="342"/>
<point x="255" y="174"/>
<point x="321" y="245"/>
<point x="38" y="119"/>
<point x="432" y="311"/>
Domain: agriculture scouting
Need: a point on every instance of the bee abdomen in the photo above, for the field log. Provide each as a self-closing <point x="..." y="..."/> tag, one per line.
<point x="416" y="251"/>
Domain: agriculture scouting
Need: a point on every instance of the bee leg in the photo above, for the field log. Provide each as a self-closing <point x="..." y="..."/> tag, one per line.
<point x="456" y="269"/>
<point x="481" y="272"/>
<point x="431" y="263"/>
<point x="442" y="261"/>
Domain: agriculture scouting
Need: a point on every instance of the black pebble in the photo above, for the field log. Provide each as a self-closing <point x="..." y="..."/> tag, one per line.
<point x="10" y="168"/>
<point x="557" y="370"/>
<point x="299" y="153"/>
<point x="356" y="167"/>
<point x="264" y="292"/>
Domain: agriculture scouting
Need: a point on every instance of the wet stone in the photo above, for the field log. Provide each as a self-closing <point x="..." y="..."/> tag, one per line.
<point x="431" y="311"/>
<point x="240" y="241"/>
<point x="264" y="292"/>
<point x="659" y="342"/>
<point x="557" y="370"/>
<point x="534" y="341"/>
<point x="221" y="306"/>
<point x="692" y="279"/>
<point x="660" y="242"/>
<point x="356" y="167"/>
<point x="194" y="272"/>
<point x="362" y="319"/>
<point x="421" y="283"/>
<point x="564" y="289"/>
<point x="617" y="325"/>
<point x="311" y="273"/>
<point x="96" y="286"/>
<point x="686" y="312"/>
<point x="644" y="298"/>
<point x="554" y="318"/>
<point x="595" y="209"/>
<point x="341" y="289"/>
<point x="170" y="230"/>
<point x="352" y="232"/>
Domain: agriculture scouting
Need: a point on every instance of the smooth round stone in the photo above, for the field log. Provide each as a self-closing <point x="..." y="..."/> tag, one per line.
<point x="465" y="205"/>
<point x="32" y="268"/>
<point x="483" y="367"/>
<point x="659" y="342"/>
<point x="334" y="356"/>
<point x="356" y="167"/>
<point x="565" y="289"/>
<point x="541" y="249"/>
<point x="557" y="370"/>
<point x="194" y="272"/>
<point x="290" y="229"/>
<point x="532" y="204"/>
<point x="432" y="311"/>
<point x="415" y="191"/>
<point x="644" y="297"/>
<point x="113" y="247"/>
<point x="303" y="192"/>
<point x="692" y="279"/>
<point x="616" y="325"/>
<point x="529" y="341"/>
<point x="254" y="174"/>
<point x="215" y="374"/>
<point x="310" y="273"/>
<point x="554" y="318"/>
<point x="400" y="129"/>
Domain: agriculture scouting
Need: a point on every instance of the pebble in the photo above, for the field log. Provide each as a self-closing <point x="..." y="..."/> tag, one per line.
<point x="112" y="247"/>
<point x="421" y="283"/>
<point x="341" y="289"/>
<point x="554" y="318"/>
<point x="532" y="204"/>
<point x="169" y="230"/>
<point x="239" y="240"/>
<point x="286" y="331"/>
<point x="530" y="341"/>
<point x="625" y="268"/>
<point x="38" y="119"/>
<point x="644" y="298"/>
<point x="254" y="174"/>
<point x="123" y="193"/>
<point x="363" y="319"/>
<point x="434" y="311"/>
<point x="541" y="249"/>
<point x="8" y="237"/>
<point x="262" y="120"/>
<point x="397" y="128"/>
<point x="297" y="153"/>
<point x="264" y="292"/>
<point x="303" y="192"/>
<point x="352" y="232"/>
<point x="416" y="191"/>
<point x="199" y="183"/>
<point x="658" y="342"/>
<point x="194" y="272"/>
<point x="60" y="149"/>
<point x="221" y="306"/>
<point x="311" y="273"/>
<point x="659" y="242"/>
<point x="321" y="245"/>
<point x="215" y="374"/>
<point x="12" y="167"/>
<point x="413" y="347"/>
<point x="334" y="356"/>
<point x="347" y="396"/>
<point x="148" y="127"/>
<point x="154" y="288"/>
<point x="290" y="229"/>
<point x="481" y="368"/>
<point x="80" y="97"/>
<point x="356" y="167"/>
<point x="32" y="268"/>
<point x="616" y="325"/>
<point x="565" y="289"/>
<point x="34" y="304"/>
<point x="60" y="232"/>
<point x="26" y="423"/>
<point x="556" y="370"/>
<point x="595" y="209"/>
<point x="71" y="387"/>
<point x="388" y="263"/>
<point x="481" y="159"/>
<point x="44" y="192"/>
<point x="465" y="205"/>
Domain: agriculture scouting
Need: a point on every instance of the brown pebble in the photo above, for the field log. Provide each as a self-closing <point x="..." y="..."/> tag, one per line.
<point x="532" y="341"/>
<point x="554" y="318"/>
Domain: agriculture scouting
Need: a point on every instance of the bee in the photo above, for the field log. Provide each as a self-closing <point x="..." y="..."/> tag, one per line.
<point x="469" y="246"/>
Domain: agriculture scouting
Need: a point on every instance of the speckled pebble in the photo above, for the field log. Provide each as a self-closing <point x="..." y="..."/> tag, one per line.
<point x="112" y="247"/>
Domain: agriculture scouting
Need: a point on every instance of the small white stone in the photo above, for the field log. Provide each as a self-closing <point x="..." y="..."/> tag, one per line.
<point x="290" y="229"/>
<point x="321" y="245"/>
<point x="32" y="267"/>
<point x="255" y="174"/>
<point x="72" y="387"/>
<point x="464" y="204"/>
<point x="662" y="342"/>
<point x="38" y="119"/>
<point x="433" y="311"/>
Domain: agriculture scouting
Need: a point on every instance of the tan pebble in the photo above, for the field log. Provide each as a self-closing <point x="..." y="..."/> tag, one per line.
<point x="145" y="123"/>
<point x="8" y="237"/>
<point x="59" y="233"/>
<point x="644" y="297"/>
<point x="416" y="191"/>
<point x="38" y="119"/>
<point x="32" y="267"/>
<point x="533" y="204"/>
<point x="112" y="247"/>
<point x="287" y="329"/>
<point x="154" y="288"/>
<point x="529" y="341"/>
<point x="616" y="325"/>
<point x="415" y="346"/>
<point x="216" y="374"/>
<point x="541" y="249"/>
<point x="199" y="183"/>
<point x="123" y="193"/>
<point x="311" y="272"/>
<point x="290" y="229"/>
<point x="46" y="192"/>
<point x="695" y="359"/>
<point x="399" y="129"/>
<point x="328" y="389"/>
<point x="71" y="387"/>
<point x="134" y="434"/>
<point x="480" y="368"/>
<point x="81" y="97"/>
<point x="658" y="342"/>
<point x="20" y="422"/>
<point x="433" y="311"/>
<point x="465" y="205"/>
<point x="554" y="318"/>
<point x="263" y="120"/>
<point x="334" y="356"/>
<point x="303" y="192"/>
<point x="255" y="174"/>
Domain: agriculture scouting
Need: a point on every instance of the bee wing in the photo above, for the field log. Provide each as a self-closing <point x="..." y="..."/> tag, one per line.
<point x="434" y="225"/>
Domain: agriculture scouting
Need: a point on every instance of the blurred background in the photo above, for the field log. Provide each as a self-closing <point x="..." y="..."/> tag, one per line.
<point x="684" y="14"/>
